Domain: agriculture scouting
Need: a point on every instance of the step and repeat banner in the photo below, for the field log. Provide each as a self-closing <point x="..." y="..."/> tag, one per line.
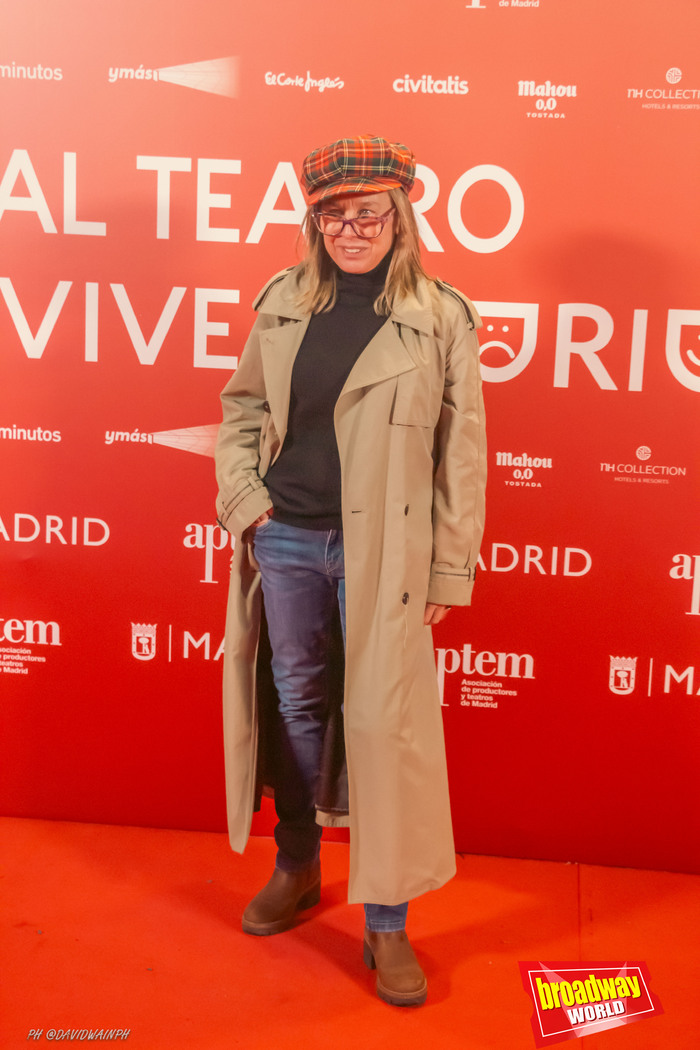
<point x="148" y="188"/>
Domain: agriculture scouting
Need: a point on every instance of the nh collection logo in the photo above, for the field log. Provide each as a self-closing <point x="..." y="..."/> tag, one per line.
<point x="425" y="84"/>
<point x="523" y="468"/>
<point x="667" y="98"/>
<point x="307" y="82"/>
<point x="14" y="71"/>
<point x="643" y="471"/>
<point x="218" y="76"/>
<point x="547" y="97"/>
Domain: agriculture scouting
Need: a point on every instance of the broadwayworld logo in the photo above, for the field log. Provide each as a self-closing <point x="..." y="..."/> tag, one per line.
<point x="572" y="1000"/>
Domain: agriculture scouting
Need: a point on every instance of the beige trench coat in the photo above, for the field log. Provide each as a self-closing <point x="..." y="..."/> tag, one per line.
<point x="409" y="424"/>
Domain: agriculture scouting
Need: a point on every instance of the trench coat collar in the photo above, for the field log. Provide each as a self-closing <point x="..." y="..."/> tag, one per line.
<point x="278" y="298"/>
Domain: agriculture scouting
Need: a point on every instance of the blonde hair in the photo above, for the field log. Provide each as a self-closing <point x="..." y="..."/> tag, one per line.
<point x="317" y="272"/>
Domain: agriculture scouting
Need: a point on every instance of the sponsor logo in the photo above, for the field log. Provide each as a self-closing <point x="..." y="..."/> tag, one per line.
<point x="181" y="643"/>
<point x="305" y="81"/>
<point x="16" y="658"/>
<point x="15" y="433"/>
<point x="428" y="85"/>
<point x="574" y="999"/>
<point x="200" y="440"/>
<point x="217" y="76"/>
<point x="74" y="532"/>
<point x="667" y="97"/>
<point x="522" y="468"/>
<point x="15" y="71"/>
<point x="547" y="97"/>
<point x="143" y="640"/>
<point x="623" y="672"/>
<point x="208" y="538"/>
<point x="643" y="471"/>
<point x="572" y="561"/>
<point x="665" y="678"/>
<point x="481" y="665"/>
<point x="687" y="567"/>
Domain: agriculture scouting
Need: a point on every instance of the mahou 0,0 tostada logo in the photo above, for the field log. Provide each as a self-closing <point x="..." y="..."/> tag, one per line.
<point x="573" y="999"/>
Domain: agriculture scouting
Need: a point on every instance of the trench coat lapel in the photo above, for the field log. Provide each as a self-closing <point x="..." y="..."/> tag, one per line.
<point x="278" y="350"/>
<point x="387" y="354"/>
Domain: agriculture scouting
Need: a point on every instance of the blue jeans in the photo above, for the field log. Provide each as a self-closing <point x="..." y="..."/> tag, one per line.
<point x="303" y="576"/>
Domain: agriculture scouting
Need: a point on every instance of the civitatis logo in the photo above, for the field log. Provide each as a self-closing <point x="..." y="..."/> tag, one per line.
<point x="143" y="640"/>
<point x="511" y="338"/>
<point x="572" y="1000"/>
<point x="426" y="84"/>
<point x="623" y="674"/>
<point x="217" y="76"/>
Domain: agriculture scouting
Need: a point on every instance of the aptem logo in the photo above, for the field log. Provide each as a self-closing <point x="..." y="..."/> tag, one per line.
<point x="687" y="567"/>
<point x="143" y="640"/>
<point x="217" y="76"/>
<point x="572" y="1000"/>
<point x="623" y="674"/>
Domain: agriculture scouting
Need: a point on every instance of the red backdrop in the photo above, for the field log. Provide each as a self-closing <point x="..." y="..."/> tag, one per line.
<point x="148" y="189"/>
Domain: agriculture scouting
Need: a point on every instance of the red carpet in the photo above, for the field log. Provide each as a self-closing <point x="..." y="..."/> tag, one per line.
<point x="132" y="928"/>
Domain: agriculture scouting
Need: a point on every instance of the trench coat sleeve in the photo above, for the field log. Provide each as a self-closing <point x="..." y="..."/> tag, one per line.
<point x="242" y="496"/>
<point x="459" y="480"/>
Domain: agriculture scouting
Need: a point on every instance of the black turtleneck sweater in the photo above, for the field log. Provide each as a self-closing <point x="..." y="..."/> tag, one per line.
<point x="304" y="482"/>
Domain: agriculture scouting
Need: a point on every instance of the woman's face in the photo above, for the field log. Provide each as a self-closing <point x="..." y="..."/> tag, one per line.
<point x="355" y="254"/>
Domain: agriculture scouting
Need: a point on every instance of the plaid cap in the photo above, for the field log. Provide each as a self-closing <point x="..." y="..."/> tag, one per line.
<point x="364" y="164"/>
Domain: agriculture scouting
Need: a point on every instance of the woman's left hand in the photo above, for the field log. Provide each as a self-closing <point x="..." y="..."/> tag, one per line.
<point x="435" y="613"/>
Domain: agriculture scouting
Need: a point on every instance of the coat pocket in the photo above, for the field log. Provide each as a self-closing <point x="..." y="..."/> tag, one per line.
<point x="413" y="400"/>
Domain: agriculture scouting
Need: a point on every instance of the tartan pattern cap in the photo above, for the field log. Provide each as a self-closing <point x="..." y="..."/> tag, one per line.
<point x="364" y="164"/>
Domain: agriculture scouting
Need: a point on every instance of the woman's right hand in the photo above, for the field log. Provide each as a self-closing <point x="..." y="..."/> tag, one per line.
<point x="248" y="534"/>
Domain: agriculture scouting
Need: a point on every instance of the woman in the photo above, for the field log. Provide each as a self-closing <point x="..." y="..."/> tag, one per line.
<point x="351" y="468"/>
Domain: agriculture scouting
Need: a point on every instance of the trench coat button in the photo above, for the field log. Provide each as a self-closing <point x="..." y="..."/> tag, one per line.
<point x="404" y="598"/>
<point x="266" y="406"/>
<point x="405" y="510"/>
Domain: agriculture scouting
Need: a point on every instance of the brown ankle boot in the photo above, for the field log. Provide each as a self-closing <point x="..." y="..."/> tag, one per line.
<point x="287" y="892"/>
<point x="400" y="980"/>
